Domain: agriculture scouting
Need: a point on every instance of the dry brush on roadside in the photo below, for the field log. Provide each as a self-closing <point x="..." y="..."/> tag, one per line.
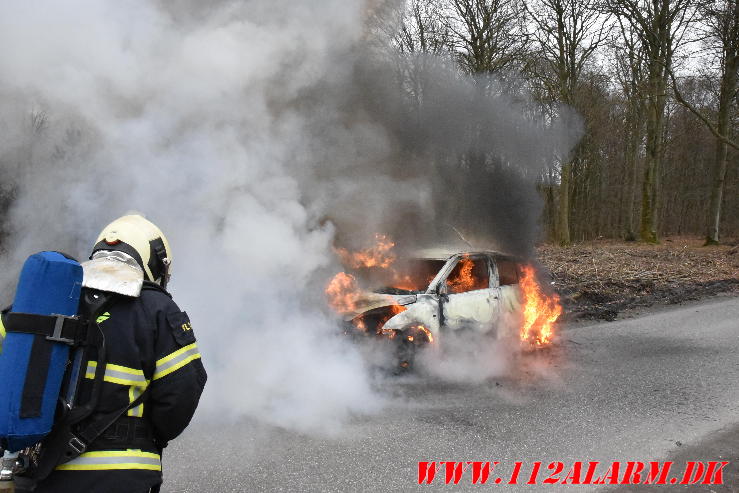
<point x="599" y="279"/>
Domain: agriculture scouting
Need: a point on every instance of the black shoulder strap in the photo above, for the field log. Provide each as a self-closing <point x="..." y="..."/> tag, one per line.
<point x="92" y="304"/>
<point x="64" y="445"/>
<point x="79" y="442"/>
<point x="56" y="444"/>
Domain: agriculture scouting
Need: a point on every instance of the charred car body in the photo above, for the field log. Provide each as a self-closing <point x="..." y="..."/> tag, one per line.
<point x="438" y="292"/>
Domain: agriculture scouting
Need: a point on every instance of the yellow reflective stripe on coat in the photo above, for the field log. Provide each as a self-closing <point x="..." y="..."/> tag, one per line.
<point x="114" y="459"/>
<point x="2" y="334"/>
<point x="134" y="391"/>
<point x="176" y="360"/>
<point x="121" y="375"/>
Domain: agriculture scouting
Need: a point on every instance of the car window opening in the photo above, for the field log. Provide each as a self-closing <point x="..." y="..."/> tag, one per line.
<point x="507" y="272"/>
<point x="411" y="276"/>
<point x="468" y="275"/>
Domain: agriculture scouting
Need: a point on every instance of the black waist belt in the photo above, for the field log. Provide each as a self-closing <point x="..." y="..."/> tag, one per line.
<point x="126" y="433"/>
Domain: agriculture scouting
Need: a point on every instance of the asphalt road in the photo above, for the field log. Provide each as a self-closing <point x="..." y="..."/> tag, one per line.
<point x="645" y="388"/>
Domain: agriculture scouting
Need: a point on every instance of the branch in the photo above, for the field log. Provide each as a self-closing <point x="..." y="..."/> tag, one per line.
<point x="698" y="114"/>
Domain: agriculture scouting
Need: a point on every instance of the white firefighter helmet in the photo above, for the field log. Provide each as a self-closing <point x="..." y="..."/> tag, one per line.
<point x="139" y="238"/>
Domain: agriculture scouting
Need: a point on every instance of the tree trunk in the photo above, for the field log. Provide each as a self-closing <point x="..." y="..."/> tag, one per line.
<point x="563" y="232"/>
<point x="632" y="168"/>
<point x="655" y="120"/>
<point x="647" y="230"/>
<point x="717" y="190"/>
<point x="728" y="86"/>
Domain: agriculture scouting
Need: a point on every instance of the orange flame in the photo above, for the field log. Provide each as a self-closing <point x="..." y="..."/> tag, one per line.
<point x="379" y="255"/>
<point x="426" y="331"/>
<point x="343" y="290"/>
<point x="394" y="310"/>
<point x="389" y="333"/>
<point x="540" y="311"/>
<point x="343" y="293"/>
<point x="345" y="296"/>
<point x="389" y="312"/>
<point x="464" y="280"/>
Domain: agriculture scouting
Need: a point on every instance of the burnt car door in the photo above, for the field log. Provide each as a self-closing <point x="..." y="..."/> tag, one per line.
<point x="508" y="277"/>
<point x="469" y="294"/>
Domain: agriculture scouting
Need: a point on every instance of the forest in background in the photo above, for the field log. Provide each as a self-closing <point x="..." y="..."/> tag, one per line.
<point x="654" y="81"/>
<point x="653" y="85"/>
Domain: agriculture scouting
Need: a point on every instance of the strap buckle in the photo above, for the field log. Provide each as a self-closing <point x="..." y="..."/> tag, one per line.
<point x="58" y="326"/>
<point x="77" y="445"/>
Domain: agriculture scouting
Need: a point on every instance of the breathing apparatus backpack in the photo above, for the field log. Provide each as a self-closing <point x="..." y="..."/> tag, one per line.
<point x="41" y="325"/>
<point x="50" y="330"/>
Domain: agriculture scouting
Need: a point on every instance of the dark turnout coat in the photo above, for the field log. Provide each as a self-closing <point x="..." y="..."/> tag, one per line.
<point x="151" y="350"/>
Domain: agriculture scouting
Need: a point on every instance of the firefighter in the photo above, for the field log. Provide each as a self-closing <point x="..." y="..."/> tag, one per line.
<point x="154" y="371"/>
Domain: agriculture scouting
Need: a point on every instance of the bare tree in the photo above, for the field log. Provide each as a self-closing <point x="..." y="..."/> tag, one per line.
<point x="660" y="26"/>
<point x="630" y="72"/>
<point x="421" y="40"/>
<point x="721" y="35"/>
<point x="422" y="29"/>
<point x="723" y="19"/>
<point x="567" y="34"/>
<point x="638" y="141"/>
<point x="487" y="35"/>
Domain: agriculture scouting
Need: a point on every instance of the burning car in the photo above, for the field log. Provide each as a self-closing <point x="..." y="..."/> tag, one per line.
<point x="417" y="300"/>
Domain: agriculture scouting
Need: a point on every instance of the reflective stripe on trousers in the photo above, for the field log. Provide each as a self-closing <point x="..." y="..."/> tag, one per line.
<point x="114" y="459"/>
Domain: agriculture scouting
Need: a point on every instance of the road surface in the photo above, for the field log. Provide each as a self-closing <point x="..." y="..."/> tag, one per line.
<point x="644" y="388"/>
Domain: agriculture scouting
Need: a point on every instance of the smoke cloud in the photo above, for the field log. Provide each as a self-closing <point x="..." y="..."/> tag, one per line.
<point x="256" y="134"/>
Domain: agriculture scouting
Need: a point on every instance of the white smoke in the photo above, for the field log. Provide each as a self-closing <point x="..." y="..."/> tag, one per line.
<point x="113" y="106"/>
<point x="241" y="130"/>
<point x="472" y="356"/>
